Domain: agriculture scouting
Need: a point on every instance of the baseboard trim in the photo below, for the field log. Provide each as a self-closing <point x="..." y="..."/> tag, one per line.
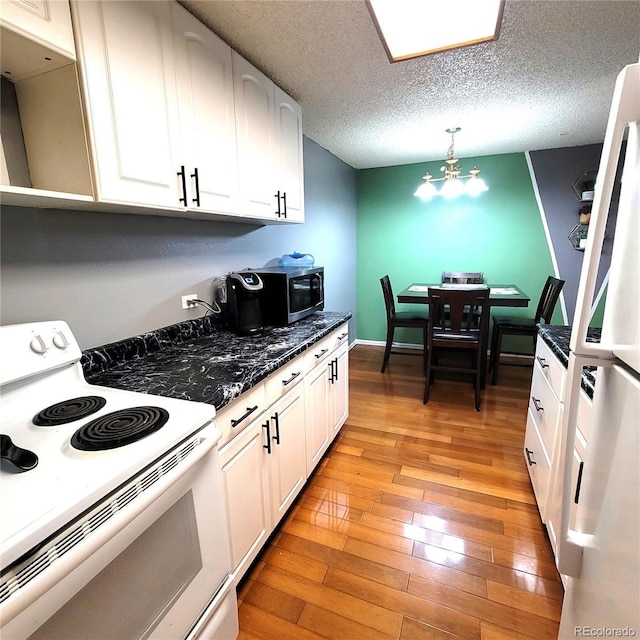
<point x="394" y="345"/>
<point x="505" y="358"/>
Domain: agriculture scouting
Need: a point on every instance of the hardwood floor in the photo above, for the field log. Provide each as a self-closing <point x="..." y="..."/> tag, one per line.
<point x="419" y="523"/>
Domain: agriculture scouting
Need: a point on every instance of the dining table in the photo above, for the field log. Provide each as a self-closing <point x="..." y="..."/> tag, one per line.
<point x="500" y="295"/>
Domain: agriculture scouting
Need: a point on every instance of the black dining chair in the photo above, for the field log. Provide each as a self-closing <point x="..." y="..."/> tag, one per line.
<point x="408" y="319"/>
<point x="451" y="326"/>
<point x="462" y="277"/>
<point x="504" y="325"/>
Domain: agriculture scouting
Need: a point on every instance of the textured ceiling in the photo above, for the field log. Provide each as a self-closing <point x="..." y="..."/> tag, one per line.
<point x="546" y="82"/>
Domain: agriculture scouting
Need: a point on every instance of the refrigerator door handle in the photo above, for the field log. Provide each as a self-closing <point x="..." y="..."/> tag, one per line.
<point x="624" y="112"/>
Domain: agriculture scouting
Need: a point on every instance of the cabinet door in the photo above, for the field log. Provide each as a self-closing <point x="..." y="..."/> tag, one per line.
<point x="128" y="78"/>
<point x="206" y="104"/>
<point x="47" y="22"/>
<point x="288" y="135"/>
<point x="254" y="99"/>
<point x="317" y="413"/>
<point x="339" y="389"/>
<point x="246" y="488"/>
<point x="287" y="467"/>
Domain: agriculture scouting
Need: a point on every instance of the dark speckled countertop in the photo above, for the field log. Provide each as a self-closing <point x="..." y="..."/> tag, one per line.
<point x="557" y="337"/>
<point x="198" y="360"/>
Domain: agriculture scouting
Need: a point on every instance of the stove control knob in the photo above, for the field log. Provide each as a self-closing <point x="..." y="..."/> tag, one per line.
<point x="60" y="340"/>
<point x="37" y="345"/>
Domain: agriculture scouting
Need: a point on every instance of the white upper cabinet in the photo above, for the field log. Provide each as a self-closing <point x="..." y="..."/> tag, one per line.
<point x="288" y="139"/>
<point x="36" y="36"/>
<point x="152" y="112"/>
<point x="126" y="62"/>
<point x="269" y="133"/>
<point x="207" y="119"/>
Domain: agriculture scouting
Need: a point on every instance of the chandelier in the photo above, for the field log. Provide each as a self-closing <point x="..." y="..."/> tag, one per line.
<point x="453" y="182"/>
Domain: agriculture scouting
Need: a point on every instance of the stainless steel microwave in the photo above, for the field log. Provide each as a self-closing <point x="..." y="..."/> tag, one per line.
<point x="290" y="293"/>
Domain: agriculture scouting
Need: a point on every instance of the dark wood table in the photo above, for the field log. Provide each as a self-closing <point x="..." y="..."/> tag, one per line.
<point x="501" y="295"/>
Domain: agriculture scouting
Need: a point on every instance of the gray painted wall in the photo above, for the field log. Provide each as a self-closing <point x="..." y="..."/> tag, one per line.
<point x="556" y="171"/>
<point x="112" y="276"/>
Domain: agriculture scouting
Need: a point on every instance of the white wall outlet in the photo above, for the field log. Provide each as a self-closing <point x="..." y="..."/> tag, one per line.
<point x="187" y="301"/>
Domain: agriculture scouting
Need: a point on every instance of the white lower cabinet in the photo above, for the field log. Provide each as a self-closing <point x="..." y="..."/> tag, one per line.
<point x="266" y="464"/>
<point x="286" y="453"/>
<point x="339" y="391"/>
<point x="246" y="486"/>
<point x="544" y="446"/>
<point x="317" y="389"/>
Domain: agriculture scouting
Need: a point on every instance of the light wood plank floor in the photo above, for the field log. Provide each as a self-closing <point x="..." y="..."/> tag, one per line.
<point x="419" y="523"/>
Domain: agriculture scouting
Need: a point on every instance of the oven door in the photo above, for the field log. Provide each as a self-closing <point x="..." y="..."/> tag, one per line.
<point x="151" y="561"/>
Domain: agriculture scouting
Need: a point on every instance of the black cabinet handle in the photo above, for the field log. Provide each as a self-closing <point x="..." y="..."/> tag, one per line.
<point x="334" y="371"/>
<point x="194" y="175"/>
<point x="579" y="483"/>
<point x="542" y="361"/>
<point x="184" y="185"/>
<point x="529" y="460"/>
<point x="267" y="446"/>
<point x="250" y="410"/>
<point x="277" y="197"/>
<point x="291" y="379"/>
<point x="342" y="337"/>
<point x="284" y="202"/>
<point x="319" y="355"/>
<point x="277" y="421"/>
<point x="536" y="404"/>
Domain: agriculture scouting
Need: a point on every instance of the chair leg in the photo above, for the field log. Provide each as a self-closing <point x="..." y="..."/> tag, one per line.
<point x="492" y="354"/>
<point x="387" y="349"/>
<point x="428" y="377"/>
<point x="478" y="382"/>
<point x="496" y="348"/>
<point x="425" y="340"/>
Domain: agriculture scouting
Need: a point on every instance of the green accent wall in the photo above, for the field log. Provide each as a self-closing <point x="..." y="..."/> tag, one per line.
<point x="498" y="232"/>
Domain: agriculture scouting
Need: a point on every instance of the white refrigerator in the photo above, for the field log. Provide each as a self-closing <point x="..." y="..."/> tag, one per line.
<point x="600" y="553"/>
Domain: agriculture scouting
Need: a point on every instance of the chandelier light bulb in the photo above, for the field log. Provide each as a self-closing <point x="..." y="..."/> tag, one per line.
<point x="453" y="181"/>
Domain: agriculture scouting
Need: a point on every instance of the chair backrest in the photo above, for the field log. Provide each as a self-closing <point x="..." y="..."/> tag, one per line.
<point x="387" y="292"/>
<point x="462" y="277"/>
<point x="455" y="311"/>
<point x="548" y="298"/>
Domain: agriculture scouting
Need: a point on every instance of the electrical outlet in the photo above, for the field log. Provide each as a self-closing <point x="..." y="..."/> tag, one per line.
<point x="187" y="301"/>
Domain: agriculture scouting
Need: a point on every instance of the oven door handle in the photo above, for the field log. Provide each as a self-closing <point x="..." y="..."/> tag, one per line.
<point x="199" y="445"/>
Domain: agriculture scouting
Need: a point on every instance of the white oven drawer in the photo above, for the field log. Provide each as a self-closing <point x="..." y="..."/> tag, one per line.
<point x="545" y="408"/>
<point x="553" y="370"/>
<point x="241" y="413"/>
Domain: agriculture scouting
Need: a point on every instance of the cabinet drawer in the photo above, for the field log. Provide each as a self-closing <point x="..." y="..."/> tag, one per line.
<point x="552" y="369"/>
<point x="284" y="379"/>
<point x="319" y="352"/>
<point x="322" y="349"/>
<point x="545" y="408"/>
<point x="538" y="465"/>
<point x="241" y="413"/>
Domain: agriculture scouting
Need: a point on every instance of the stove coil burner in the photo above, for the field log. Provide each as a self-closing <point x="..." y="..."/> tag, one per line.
<point x="119" y="428"/>
<point x="68" y="411"/>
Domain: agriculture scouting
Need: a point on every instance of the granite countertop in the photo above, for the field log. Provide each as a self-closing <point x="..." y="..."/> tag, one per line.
<point x="557" y="337"/>
<point x="199" y="360"/>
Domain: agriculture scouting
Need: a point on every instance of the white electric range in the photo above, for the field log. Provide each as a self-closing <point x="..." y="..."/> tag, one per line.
<point x="73" y="452"/>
